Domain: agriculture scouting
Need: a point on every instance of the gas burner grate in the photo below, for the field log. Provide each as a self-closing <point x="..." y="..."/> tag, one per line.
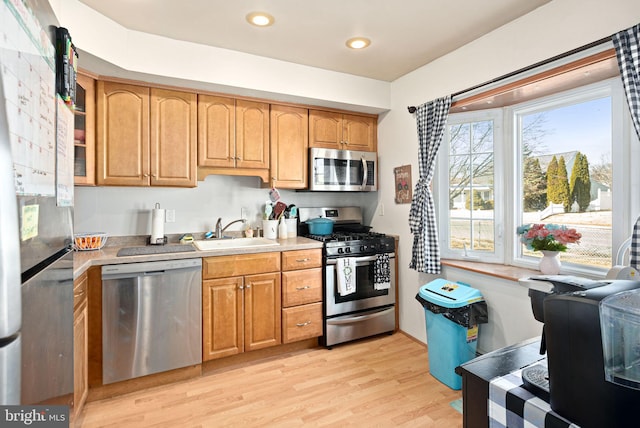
<point x="346" y="236"/>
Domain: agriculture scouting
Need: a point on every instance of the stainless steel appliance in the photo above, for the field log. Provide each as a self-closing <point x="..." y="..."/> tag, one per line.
<point x="36" y="216"/>
<point x="369" y="310"/>
<point x="151" y="318"/>
<point x="577" y="387"/>
<point x="342" y="170"/>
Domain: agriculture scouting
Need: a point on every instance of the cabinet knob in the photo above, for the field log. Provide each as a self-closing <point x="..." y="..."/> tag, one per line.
<point x="247" y="287"/>
<point x="241" y="287"/>
<point x="145" y="175"/>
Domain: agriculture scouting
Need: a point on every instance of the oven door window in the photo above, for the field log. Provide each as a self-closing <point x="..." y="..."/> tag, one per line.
<point x="364" y="285"/>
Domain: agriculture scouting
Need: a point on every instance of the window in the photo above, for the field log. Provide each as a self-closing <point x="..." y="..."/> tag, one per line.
<point x="472" y="148"/>
<point x="562" y="157"/>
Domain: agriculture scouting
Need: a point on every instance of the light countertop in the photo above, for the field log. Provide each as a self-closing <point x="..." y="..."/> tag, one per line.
<point x="83" y="260"/>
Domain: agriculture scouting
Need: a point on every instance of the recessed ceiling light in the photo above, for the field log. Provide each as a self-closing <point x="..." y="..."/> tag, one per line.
<point x="358" y="43"/>
<point x="260" y="19"/>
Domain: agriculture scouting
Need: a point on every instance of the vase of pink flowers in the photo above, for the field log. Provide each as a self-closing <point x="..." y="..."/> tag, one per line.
<point x="550" y="239"/>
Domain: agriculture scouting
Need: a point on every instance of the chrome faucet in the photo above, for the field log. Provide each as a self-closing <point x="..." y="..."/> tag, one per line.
<point x="220" y="229"/>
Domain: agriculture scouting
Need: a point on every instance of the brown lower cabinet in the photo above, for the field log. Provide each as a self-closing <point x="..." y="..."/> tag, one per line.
<point x="301" y="295"/>
<point x="241" y="304"/>
<point x="80" y="345"/>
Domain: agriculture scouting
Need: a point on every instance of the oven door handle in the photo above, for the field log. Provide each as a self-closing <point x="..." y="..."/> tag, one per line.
<point x="369" y="316"/>
<point x="361" y="259"/>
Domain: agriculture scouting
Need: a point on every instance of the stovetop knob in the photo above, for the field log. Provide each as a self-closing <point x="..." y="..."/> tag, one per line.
<point x="348" y="249"/>
<point x="340" y="250"/>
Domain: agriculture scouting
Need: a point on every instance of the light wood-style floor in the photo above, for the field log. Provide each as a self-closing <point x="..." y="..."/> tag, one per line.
<point x="380" y="382"/>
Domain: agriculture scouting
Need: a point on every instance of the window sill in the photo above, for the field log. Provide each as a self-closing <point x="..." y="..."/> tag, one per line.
<point x="510" y="273"/>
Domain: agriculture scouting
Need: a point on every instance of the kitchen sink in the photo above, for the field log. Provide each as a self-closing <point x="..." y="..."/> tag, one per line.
<point x="225" y="244"/>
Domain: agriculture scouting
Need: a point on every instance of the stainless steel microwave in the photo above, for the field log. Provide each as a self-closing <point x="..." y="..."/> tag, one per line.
<point x="343" y="170"/>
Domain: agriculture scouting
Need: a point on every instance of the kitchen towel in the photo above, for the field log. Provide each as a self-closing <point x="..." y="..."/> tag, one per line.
<point x="346" y="270"/>
<point x="382" y="273"/>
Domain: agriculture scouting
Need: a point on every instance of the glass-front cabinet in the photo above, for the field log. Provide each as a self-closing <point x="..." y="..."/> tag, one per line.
<point x="84" y="131"/>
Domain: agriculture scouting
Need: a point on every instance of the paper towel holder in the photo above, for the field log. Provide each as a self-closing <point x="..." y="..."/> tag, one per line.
<point x="157" y="236"/>
<point x="158" y="241"/>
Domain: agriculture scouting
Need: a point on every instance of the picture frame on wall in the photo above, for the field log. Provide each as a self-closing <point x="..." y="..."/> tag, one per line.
<point x="403" y="185"/>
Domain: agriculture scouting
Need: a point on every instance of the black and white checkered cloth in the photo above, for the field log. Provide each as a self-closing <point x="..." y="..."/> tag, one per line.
<point x="634" y="249"/>
<point x="431" y="120"/>
<point x="627" y="44"/>
<point x="512" y="406"/>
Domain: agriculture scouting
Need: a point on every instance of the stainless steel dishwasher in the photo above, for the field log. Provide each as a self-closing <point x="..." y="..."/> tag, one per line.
<point x="151" y="318"/>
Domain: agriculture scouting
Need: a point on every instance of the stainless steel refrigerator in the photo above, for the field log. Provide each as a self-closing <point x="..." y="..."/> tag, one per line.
<point x="36" y="258"/>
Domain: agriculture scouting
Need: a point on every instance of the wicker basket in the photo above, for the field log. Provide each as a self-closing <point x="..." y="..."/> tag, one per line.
<point x="89" y="241"/>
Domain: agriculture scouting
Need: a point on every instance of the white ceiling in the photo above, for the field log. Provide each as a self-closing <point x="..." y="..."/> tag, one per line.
<point x="405" y="34"/>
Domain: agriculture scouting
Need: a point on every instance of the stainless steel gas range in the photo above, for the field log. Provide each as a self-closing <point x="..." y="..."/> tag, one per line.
<point x="366" y="261"/>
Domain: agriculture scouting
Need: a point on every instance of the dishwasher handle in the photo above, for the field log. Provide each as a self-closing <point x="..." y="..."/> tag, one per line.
<point x="130" y="270"/>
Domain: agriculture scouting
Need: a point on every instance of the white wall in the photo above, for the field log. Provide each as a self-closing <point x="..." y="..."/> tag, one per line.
<point x="555" y="28"/>
<point x="125" y="211"/>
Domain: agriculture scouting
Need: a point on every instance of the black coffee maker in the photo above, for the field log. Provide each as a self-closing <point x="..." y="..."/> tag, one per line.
<point x="572" y="339"/>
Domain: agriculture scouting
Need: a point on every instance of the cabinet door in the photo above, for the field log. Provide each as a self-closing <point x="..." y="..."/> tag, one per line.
<point x="122" y="134"/>
<point x="252" y="134"/>
<point x="289" y="144"/>
<point x="85" y="132"/>
<point x="359" y="133"/>
<point x="325" y="129"/>
<point x="262" y="311"/>
<point x="80" y="362"/>
<point x="173" y="138"/>
<point x="216" y="131"/>
<point x="222" y="322"/>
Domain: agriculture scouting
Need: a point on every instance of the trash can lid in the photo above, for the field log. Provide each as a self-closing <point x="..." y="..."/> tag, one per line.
<point x="449" y="294"/>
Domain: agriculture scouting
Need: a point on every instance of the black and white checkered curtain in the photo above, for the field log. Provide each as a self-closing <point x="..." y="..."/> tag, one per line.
<point x="627" y="44"/>
<point x="431" y="119"/>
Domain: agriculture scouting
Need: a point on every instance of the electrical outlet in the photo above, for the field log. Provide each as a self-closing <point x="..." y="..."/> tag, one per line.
<point x="381" y="210"/>
<point x="243" y="213"/>
<point x="170" y="216"/>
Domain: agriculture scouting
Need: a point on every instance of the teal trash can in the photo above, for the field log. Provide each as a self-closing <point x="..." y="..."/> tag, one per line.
<point x="453" y="311"/>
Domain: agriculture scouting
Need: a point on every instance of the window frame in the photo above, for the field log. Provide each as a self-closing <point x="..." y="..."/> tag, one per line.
<point x="623" y="156"/>
<point x="441" y="192"/>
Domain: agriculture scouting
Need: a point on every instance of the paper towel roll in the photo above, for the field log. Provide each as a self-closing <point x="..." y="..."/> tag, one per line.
<point x="157" y="226"/>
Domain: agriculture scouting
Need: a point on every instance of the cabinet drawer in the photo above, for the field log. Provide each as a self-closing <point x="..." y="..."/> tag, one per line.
<point x="80" y="290"/>
<point x="301" y="286"/>
<point x="239" y="265"/>
<point x="301" y="259"/>
<point x="301" y="322"/>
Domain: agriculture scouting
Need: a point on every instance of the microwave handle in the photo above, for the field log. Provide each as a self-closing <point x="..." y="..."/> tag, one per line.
<point x="364" y="173"/>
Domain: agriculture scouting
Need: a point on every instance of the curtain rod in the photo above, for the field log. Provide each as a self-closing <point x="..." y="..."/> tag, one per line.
<point x="412" y="109"/>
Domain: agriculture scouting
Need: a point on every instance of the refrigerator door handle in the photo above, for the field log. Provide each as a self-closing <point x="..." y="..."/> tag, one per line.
<point x="10" y="282"/>
<point x="10" y="371"/>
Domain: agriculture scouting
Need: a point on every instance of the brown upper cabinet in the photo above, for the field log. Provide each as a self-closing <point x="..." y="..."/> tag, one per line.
<point x="331" y="130"/>
<point x="84" y="131"/>
<point x="233" y="134"/>
<point x="145" y="136"/>
<point x="289" y="144"/>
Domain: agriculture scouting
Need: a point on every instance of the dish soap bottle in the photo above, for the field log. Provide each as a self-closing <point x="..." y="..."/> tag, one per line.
<point x="282" y="229"/>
